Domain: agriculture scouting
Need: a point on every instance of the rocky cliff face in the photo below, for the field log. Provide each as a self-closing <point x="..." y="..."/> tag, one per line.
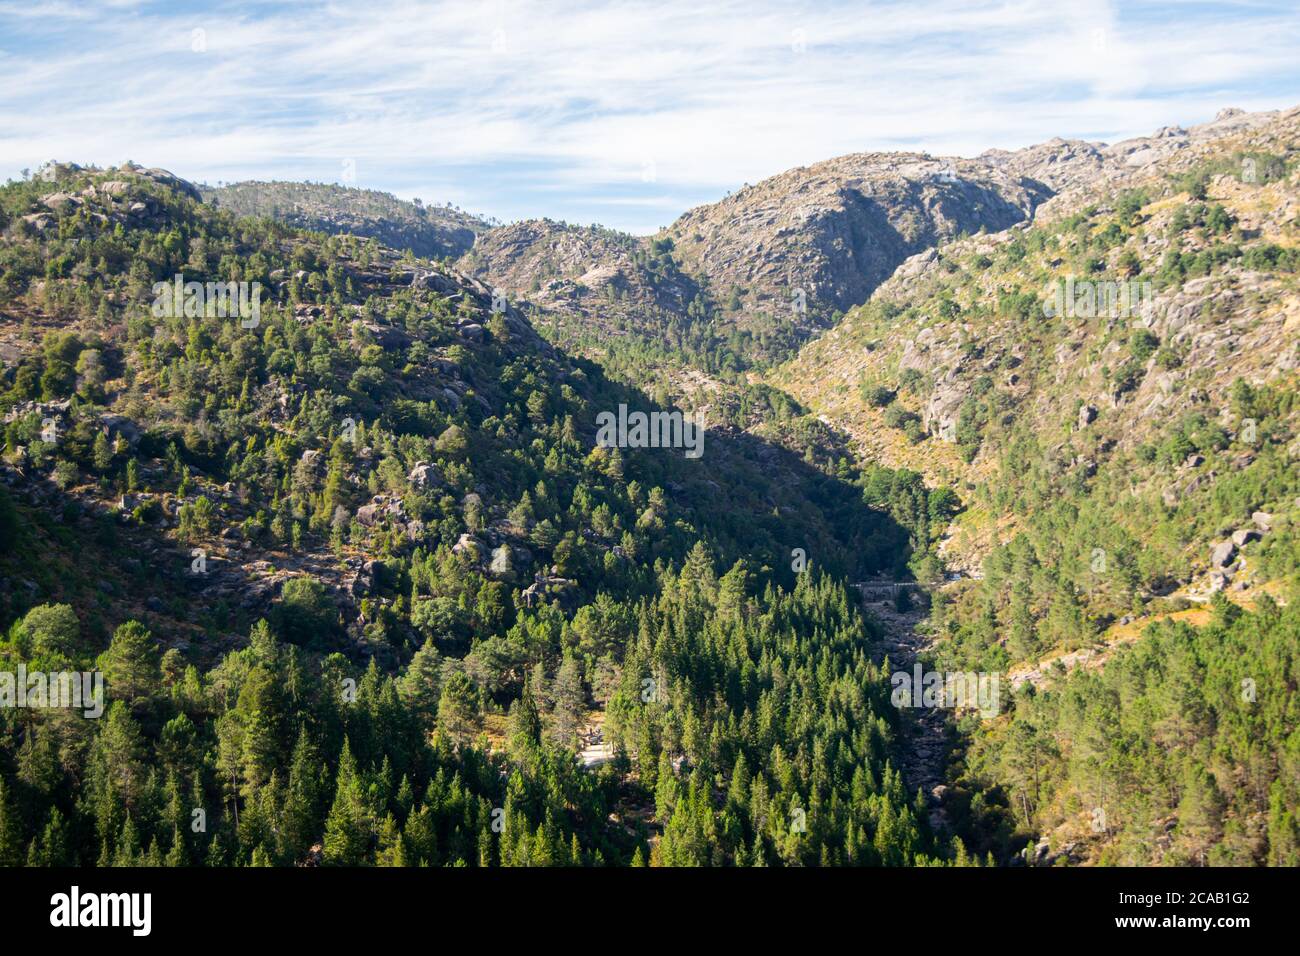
<point x="838" y="229"/>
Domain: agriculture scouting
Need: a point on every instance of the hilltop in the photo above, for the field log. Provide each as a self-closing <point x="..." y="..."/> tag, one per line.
<point x="430" y="231"/>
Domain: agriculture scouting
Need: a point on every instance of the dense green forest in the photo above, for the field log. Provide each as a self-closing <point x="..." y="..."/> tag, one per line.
<point x="760" y="730"/>
<point x="1183" y="750"/>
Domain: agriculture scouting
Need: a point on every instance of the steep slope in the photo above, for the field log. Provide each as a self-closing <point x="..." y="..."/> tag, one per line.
<point x="1114" y="391"/>
<point x="416" y="349"/>
<point x="839" y="228"/>
<point x="434" y="232"/>
<point x="591" y="286"/>
<point x="356" y="571"/>
<point x="954" y="356"/>
<point x="745" y="280"/>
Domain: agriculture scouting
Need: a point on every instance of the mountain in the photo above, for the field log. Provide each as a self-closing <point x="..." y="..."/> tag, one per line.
<point x="748" y="278"/>
<point x="1063" y="164"/>
<point x="1111" y="390"/>
<point x="605" y="294"/>
<point x="743" y="282"/>
<point x="837" y="229"/>
<point x="435" y="232"/>
<point x="953" y="358"/>
<point x="336" y="529"/>
<point x="365" y="580"/>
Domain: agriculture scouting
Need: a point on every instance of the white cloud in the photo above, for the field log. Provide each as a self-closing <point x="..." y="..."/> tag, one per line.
<point x="556" y="109"/>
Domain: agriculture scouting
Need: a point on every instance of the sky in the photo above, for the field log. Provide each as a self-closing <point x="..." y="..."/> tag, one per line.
<point x="625" y="114"/>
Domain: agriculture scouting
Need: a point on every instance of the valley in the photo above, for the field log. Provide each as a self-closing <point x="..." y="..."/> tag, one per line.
<point x="375" y="580"/>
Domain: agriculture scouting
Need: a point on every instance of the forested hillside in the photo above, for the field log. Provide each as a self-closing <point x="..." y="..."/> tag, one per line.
<point x="360" y="582"/>
<point x="1112" y="391"/>
<point x="1182" y="751"/>
<point x="428" y="230"/>
<point x="365" y="585"/>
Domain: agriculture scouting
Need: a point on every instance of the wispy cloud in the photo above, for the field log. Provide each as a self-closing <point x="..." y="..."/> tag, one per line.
<point x="623" y="113"/>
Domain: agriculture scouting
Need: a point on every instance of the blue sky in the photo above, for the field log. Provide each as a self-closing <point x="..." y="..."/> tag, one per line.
<point x="625" y="114"/>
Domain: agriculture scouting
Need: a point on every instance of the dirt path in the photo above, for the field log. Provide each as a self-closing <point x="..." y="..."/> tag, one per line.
<point x="925" y="745"/>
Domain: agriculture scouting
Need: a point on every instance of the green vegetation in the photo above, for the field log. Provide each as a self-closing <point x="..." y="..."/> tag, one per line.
<point x="517" y="582"/>
<point x="429" y="231"/>
<point x="1184" y="750"/>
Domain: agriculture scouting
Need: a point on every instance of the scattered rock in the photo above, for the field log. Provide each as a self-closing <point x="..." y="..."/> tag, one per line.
<point x="472" y="331"/>
<point x="467" y="543"/>
<point x="60" y="201"/>
<point x="424" y="475"/>
<point x="388" y="337"/>
<point x="1223" y="554"/>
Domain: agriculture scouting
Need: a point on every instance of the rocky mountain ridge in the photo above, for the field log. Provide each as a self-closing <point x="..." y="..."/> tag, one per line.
<point x="778" y="261"/>
<point x="431" y="231"/>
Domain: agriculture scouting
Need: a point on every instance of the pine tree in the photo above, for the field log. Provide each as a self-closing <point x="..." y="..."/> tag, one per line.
<point x="524" y="729"/>
<point x="570" y="703"/>
<point x="1200" y="811"/>
<point x="11" y="839"/>
<point x="348" y="828"/>
<point x="102" y="453"/>
<point x="458" y="708"/>
<point x="420" y="685"/>
<point x="130" y="664"/>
